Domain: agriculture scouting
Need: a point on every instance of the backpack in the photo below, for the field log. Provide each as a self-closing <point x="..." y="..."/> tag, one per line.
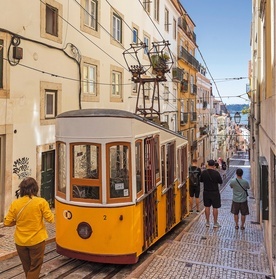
<point x="193" y="176"/>
<point x="223" y="166"/>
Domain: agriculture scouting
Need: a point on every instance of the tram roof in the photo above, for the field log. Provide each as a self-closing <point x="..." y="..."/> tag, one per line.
<point x="99" y="113"/>
<point x="112" y="113"/>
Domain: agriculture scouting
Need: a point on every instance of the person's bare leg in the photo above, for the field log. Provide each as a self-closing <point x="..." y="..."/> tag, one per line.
<point x="207" y="214"/>
<point x="243" y="220"/>
<point x="197" y="204"/>
<point x="215" y="214"/>
<point x="236" y="219"/>
<point x="191" y="203"/>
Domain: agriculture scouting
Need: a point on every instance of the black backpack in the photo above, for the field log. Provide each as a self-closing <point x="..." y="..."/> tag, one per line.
<point x="194" y="176"/>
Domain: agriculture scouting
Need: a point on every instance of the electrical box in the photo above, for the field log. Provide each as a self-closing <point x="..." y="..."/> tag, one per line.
<point x="17" y="53"/>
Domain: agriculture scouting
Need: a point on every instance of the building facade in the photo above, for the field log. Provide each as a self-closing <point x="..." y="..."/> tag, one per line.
<point x="263" y="120"/>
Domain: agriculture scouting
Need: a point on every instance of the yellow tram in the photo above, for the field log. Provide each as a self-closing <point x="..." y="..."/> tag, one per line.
<point x="121" y="184"/>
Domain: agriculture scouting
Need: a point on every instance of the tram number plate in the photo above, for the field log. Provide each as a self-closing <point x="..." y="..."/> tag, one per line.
<point x="119" y="186"/>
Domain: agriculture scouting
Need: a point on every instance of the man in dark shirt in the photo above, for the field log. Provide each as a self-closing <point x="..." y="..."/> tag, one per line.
<point x="211" y="195"/>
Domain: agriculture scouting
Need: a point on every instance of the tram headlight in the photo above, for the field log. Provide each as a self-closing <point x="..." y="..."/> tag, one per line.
<point x="84" y="230"/>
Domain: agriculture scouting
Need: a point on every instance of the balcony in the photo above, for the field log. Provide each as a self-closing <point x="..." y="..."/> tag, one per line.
<point x="182" y="23"/>
<point x="184" y="86"/>
<point x="177" y="74"/>
<point x="205" y="104"/>
<point x="203" y="130"/>
<point x="186" y="56"/>
<point x="193" y="116"/>
<point x="193" y="89"/>
<point x="184" y="118"/>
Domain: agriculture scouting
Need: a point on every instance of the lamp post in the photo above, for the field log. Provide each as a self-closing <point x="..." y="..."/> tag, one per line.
<point x="237" y="118"/>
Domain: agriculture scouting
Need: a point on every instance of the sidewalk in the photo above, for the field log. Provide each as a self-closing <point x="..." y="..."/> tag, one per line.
<point x="212" y="253"/>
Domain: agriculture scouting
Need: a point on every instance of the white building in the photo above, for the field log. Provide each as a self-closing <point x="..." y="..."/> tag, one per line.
<point x="62" y="55"/>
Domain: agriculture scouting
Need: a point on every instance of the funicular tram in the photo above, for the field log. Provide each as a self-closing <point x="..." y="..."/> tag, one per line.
<point x="121" y="177"/>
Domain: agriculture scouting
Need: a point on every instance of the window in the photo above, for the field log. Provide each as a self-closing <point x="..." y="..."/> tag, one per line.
<point x="156" y="9"/>
<point x="51" y="20"/>
<point x="146" y="41"/>
<point x="118" y="172"/>
<point x="50" y="103"/>
<point x="85" y="172"/>
<point x="89" y="79"/>
<point x="174" y="28"/>
<point x="166" y="93"/>
<point x="138" y="167"/>
<point x="61" y="169"/>
<point x="91" y="12"/>
<point x="117" y="28"/>
<point x="146" y="4"/>
<point x="166" y="20"/>
<point x="90" y="17"/>
<point x="116" y="84"/>
<point x="182" y="166"/>
<point x="135" y="36"/>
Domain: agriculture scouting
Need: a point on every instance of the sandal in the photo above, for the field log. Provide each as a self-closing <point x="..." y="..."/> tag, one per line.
<point x="237" y="227"/>
<point x="242" y="228"/>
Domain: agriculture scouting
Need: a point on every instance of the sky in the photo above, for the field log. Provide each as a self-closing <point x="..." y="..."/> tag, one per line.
<point x="223" y="38"/>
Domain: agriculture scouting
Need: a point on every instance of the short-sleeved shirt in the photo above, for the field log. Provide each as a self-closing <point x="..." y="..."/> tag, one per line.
<point x="239" y="195"/>
<point x="211" y="178"/>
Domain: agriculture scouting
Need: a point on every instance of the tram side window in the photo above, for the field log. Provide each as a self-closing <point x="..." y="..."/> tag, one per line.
<point x="118" y="165"/>
<point x="163" y="165"/>
<point x="85" y="171"/>
<point x="156" y="159"/>
<point x="61" y="168"/>
<point x="138" y="166"/>
<point x="182" y="165"/>
<point x="170" y="164"/>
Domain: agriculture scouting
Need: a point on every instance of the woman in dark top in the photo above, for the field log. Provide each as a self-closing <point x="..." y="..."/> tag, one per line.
<point x="211" y="195"/>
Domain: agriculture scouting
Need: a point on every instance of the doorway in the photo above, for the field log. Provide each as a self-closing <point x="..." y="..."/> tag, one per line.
<point x="48" y="177"/>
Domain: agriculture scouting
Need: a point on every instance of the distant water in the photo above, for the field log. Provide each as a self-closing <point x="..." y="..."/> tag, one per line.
<point x="244" y="118"/>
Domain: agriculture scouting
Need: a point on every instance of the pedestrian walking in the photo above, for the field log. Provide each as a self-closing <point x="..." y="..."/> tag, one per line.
<point x="27" y="214"/>
<point x="239" y="202"/>
<point x="194" y="185"/>
<point x="211" y="179"/>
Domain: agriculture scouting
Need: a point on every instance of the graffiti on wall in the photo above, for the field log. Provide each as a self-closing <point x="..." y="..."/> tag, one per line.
<point x="21" y="167"/>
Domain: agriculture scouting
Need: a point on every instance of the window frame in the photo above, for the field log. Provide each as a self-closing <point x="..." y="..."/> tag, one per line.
<point x="166" y="19"/>
<point x="59" y="192"/>
<point x="117" y="28"/>
<point x="57" y="36"/>
<point x="53" y="106"/>
<point x="157" y="10"/>
<point x="116" y="83"/>
<point x="107" y="150"/>
<point x="92" y="17"/>
<point x="89" y="182"/>
<point x="140" y="143"/>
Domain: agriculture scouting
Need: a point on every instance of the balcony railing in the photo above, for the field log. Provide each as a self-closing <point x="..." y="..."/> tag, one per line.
<point x="184" y="54"/>
<point x="184" y="86"/>
<point x="177" y="74"/>
<point x="184" y="118"/>
<point x="193" y="116"/>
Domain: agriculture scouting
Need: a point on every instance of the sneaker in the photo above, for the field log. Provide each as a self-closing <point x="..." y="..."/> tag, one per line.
<point x="217" y="225"/>
<point x="197" y="212"/>
<point x="207" y="224"/>
<point x="191" y="211"/>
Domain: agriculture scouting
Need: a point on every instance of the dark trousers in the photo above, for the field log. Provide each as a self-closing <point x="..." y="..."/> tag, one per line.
<point x="31" y="258"/>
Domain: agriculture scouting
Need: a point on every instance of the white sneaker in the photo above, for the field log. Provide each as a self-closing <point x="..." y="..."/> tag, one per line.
<point x="216" y="225"/>
<point x="207" y="224"/>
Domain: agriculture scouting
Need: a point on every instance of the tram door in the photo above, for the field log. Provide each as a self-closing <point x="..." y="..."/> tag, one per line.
<point x="48" y="177"/>
<point x="150" y="204"/>
<point x="170" y="204"/>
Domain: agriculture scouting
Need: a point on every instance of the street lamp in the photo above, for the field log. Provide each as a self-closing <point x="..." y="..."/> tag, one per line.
<point x="237" y="118"/>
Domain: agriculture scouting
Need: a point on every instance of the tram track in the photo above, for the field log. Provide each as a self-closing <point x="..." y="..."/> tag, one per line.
<point x="56" y="266"/>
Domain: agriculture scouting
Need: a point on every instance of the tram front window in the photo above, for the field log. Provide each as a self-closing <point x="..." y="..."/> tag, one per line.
<point x="119" y="166"/>
<point x="86" y="174"/>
